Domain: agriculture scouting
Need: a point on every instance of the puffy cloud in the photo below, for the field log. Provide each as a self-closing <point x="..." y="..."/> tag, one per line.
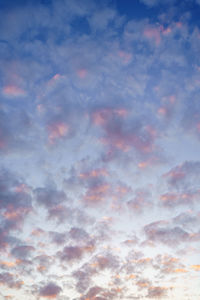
<point x="99" y="103"/>
<point x="171" y="236"/>
<point x="75" y="253"/>
<point x="43" y="263"/>
<point x="60" y="213"/>
<point x="156" y="292"/>
<point x="57" y="237"/>
<point x="172" y="200"/>
<point x="50" y="290"/>
<point x="9" y="280"/>
<point x="123" y="134"/>
<point x="93" y="292"/>
<point x="184" y="175"/>
<point x="16" y="204"/>
<point x="49" y="197"/>
<point x="22" y="252"/>
<point x="141" y="201"/>
<point x="71" y="253"/>
<point x="78" y="234"/>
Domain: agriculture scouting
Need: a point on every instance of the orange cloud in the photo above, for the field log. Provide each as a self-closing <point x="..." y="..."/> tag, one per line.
<point x="8" y="264"/>
<point x="196" y="267"/>
<point x="97" y="193"/>
<point x="180" y="270"/>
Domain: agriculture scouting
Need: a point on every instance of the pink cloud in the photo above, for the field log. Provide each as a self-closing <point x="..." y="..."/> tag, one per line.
<point x="175" y="199"/>
<point x="57" y="130"/>
<point x="125" y="56"/>
<point x="175" y="174"/>
<point x="166" y="31"/>
<point x="82" y="73"/>
<point x="153" y="34"/>
<point x="2" y="144"/>
<point x="54" y="79"/>
<point x="97" y="193"/>
<point x="119" y="136"/>
<point x="13" y="91"/>
<point x="93" y="173"/>
<point x="102" y="116"/>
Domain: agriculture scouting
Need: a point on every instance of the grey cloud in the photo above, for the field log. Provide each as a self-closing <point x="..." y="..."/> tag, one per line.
<point x="49" y="197"/>
<point x="22" y="252"/>
<point x="50" y="290"/>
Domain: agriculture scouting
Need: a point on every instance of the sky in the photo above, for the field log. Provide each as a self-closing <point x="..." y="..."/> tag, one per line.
<point x="99" y="149"/>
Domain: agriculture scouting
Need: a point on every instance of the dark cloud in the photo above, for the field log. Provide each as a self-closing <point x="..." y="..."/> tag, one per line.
<point x="43" y="262"/>
<point x="10" y="281"/>
<point x="22" y="252"/>
<point x="57" y="237"/>
<point x="78" y="234"/>
<point x="75" y="253"/>
<point x="123" y="133"/>
<point x="184" y="176"/>
<point x="156" y="292"/>
<point x="171" y="236"/>
<point x="15" y="205"/>
<point x="93" y="292"/>
<point x="49" y="198"/>
<point x="60" y="213"/>
<point x="50" y="290"/>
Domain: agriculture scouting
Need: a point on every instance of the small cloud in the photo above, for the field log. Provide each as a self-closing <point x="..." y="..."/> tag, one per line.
<point x="50" y="291"/>
<point x="13" y="91"/>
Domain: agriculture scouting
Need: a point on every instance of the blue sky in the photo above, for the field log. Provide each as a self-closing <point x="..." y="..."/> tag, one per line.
<point x="99" y="150"/>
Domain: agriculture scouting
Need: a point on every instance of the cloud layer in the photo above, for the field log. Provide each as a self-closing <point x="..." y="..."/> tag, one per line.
<point x="100" y="141"/>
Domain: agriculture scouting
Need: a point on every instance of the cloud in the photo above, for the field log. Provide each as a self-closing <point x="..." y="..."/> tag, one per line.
<point x="49" y="197"/>
<point x="22" y="252"/>
<point x="152" y="3"/>
<point x="120" y="135"/>
<point x="16" y="204"/>
<point x="13" y="91"/>
<point x="75" y="253"/>
<point x="141" y="201"/>
<point x="156" y="292"/>
<point x="60" y="213"/>
<point x="56" y="131"/>
<point x="172" y="200"/>
<point x="57" y="237"/>
<point x="9" y="280"/>
<point x="93" y="292"/>
<point x="13" y="130"/>
<point x="104" y="104"/>
<point x="50" y="290"/>
<point x="155" y="232"/>
<point x="153" y="34"/>
<point x="43" y="262"/>
<point x="78" y="234"/>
